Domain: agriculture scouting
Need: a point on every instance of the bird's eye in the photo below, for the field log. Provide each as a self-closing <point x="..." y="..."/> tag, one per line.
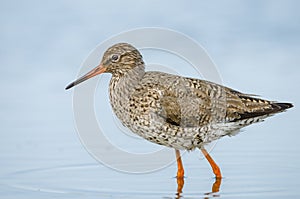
<point x="115" y="57"/>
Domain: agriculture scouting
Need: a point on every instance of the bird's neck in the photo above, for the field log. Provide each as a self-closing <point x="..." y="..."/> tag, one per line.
<point x="121" y="87"/>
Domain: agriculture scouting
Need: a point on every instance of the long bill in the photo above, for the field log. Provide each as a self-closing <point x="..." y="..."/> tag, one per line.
<point x="96" y="71"/>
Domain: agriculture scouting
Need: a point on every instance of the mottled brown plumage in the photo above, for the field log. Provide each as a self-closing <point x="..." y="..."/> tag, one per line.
<point x="178" y="112"/>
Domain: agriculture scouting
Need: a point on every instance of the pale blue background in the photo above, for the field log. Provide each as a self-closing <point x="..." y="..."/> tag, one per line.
<point x="255" y="44"/>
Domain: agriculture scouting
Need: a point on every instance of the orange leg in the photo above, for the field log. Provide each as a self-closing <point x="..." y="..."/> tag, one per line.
<point x="216" y="186"/>
<point x="212" y="163"/>
<point x="180" y="171"/>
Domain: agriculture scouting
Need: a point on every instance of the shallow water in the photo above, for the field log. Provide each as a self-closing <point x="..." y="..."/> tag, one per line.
<point x="251" y="168"/>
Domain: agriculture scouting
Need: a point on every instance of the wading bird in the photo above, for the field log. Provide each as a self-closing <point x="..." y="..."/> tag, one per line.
<point x="178" y="112"/>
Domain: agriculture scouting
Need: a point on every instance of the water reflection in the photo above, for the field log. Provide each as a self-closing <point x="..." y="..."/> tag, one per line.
<point x="213" y="193"/>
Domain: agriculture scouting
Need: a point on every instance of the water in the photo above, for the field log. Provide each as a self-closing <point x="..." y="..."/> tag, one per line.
<point x="265" y="170"/>
<point x="255" y="45"/>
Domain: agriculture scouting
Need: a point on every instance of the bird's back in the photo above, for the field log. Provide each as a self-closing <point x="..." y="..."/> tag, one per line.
<point x="189" y="102"/>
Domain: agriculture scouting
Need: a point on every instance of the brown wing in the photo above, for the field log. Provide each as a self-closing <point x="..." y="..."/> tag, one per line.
<point x="191" y="102"/>
<point x="186" y="111"/>
<point x="210" y="102"/>
<point x="171" y="110"/>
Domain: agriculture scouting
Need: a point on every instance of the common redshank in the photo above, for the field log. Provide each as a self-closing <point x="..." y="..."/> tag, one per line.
<point x="178" y="112"/>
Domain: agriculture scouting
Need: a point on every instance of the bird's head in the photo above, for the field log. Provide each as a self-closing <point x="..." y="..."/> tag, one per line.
<point x="118" y="60"/>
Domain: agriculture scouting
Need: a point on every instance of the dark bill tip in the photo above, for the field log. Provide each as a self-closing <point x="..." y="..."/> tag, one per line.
<point x="96" y="71"/>
<point x="70" y="86"/>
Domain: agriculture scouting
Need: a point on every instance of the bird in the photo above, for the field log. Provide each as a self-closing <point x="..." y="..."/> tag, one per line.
<point x="179" y="112"/>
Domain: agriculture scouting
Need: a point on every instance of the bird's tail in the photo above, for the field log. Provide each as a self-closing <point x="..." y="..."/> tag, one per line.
<point x="279" y="107"/>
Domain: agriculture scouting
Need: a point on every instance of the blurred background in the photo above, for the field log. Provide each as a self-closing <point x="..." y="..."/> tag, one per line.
<point x="255" y="45"/>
